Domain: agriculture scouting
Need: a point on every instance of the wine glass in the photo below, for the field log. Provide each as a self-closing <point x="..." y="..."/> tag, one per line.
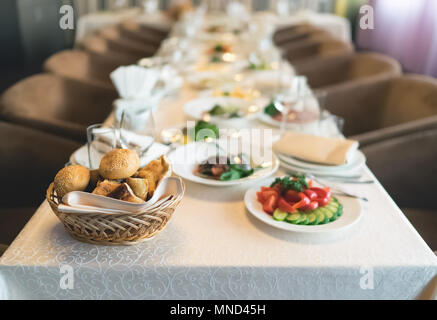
<point x="137" y="129"/>
<point x="100" y="140"/>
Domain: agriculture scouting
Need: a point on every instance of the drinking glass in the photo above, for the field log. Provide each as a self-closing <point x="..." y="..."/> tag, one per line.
<point x="137" y="129"/>
<point x="100" y="140"/>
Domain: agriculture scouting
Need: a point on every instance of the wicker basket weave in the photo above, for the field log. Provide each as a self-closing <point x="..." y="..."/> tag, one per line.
<point x="113" y="229"/>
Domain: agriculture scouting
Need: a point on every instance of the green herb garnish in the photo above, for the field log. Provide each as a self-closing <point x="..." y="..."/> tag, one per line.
<point x="236" y="171"/>
<point x="210" y="130"/>
<point x="217" y="110"/>
<point x="271" y="110"/>
<point x="296" y="182"/>
<point x="216" y="59"/>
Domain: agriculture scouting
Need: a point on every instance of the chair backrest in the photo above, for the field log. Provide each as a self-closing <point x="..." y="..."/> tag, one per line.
<point x="29" y="162"/>
<point x="333" y="72"/>
<point x="138" y="32"/>
<point x="102" y="47"/>
<point x="286" y="35"/>
<point x="308" y="50"/>
<point x="409" y="98"/>
<point x="118" y="42"/>
<point x="405" y="166"/>
<point x="86" y="67"/>
<point x="56" y="104"/>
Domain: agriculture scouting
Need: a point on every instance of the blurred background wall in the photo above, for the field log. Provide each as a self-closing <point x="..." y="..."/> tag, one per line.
<point x="30" y="32"/>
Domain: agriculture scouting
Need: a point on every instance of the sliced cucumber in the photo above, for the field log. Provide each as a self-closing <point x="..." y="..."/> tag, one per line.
<point x="312" y="219"/>
<point x="293" y="218"/>
<point x="322" y="215"/>
<point x="321" y="218"/>
<point x="279" y="215"/>
<point x="303" y="219"/>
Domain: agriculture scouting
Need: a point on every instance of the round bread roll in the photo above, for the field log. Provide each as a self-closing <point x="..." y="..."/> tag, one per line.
<point x="119" y="164"/>
<point x="71" y="178"/>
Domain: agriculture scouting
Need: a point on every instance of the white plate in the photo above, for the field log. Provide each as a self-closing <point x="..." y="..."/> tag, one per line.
<point x="196" y="109"/>
<point x="352" y="213"/>
<point x="185" y="158"/>
<point x="358" y="160"/>
<point x="80" y="156"/>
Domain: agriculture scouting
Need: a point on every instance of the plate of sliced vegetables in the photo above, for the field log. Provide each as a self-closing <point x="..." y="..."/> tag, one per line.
<point x="294" y="203"/>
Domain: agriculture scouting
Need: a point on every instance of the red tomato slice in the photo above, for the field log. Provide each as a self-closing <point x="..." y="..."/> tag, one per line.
<point x="328" y="191"/>
<point x="264" y="195"/>
<point x="292" y="196"/>
<point x="283" y="205"/>
<point x="321" y="193"/>
<point x="313" y="205"/>
<point x="322" y="201"/>
<point x="270" y="204"/>
<point x="304" y="200"/>
<point x="310" y="194"/>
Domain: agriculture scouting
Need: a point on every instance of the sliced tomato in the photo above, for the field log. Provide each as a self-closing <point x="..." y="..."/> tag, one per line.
<point x="304" y="200"/>
<point x="322" y="201"/>
<point x="328" y="192"/>
<point x="285" y="206"/>
<point x="267" y="189"/>
<point x="310" y="183"/>
<point x="264" y="195"/>
<point x="310" y="194"/>
<point x="292" y="196"/>
<point x="278" y="188"/>
<point x="321" y="193"/>
<point x="313" y="205"/>
<point x="270" y="204"/>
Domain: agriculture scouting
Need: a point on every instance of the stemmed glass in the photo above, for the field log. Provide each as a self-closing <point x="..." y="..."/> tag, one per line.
<point x="100" y="140"/>
<point x="137" y="129"/>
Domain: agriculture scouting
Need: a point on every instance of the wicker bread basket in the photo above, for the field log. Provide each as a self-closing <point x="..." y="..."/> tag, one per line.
<point x="113" y="229"/>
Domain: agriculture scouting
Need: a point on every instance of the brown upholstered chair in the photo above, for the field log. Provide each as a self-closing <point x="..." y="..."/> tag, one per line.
<point x="57" y="105"/>
<point x="378" y="110"/>
<point x="83" y="66"/>
<point x="100" y="46"/>
<point x="348" y="71"/>
<point x="310" y="50"/>
<point x="407" y="168"/>
<point x="117" y="40"/>
<point x="30" y="160"/>
<point x="143" y="33"/>
<point x="287" y="35"/>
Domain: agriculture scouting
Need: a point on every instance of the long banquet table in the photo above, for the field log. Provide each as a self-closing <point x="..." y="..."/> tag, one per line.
<point x="214" y="249"/>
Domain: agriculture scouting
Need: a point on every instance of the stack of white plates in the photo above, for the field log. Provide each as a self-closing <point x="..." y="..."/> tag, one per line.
<point x="352" y="169"/>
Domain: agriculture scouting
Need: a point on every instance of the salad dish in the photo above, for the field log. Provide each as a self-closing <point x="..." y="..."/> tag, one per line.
<point x="294" y="203"/>
<point x="222" y="110"/>
<point x="293" y="199"/>
<point x="181" y="135"/>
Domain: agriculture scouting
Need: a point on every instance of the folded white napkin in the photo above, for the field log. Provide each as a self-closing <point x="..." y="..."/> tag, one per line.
<point x="308" y="147"/>
<point x="134" y="82"/>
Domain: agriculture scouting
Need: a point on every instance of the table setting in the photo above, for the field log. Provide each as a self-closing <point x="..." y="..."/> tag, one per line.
<point x="218" y="175"/>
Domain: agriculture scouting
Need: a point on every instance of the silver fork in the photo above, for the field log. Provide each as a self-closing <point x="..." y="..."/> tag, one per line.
<point x="337" y="190"/>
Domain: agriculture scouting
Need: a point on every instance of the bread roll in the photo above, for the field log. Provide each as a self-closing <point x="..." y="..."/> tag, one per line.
<point x="119" y="164"/>
<point x="125" y="193"/>
<point x="106" y="187"/>
<point x="139" y="186"/>
<point x="71" y="178"/>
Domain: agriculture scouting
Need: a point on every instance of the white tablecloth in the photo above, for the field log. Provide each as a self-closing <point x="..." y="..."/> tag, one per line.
<point x="214" y="249"/>
<point x="89" y="23"/>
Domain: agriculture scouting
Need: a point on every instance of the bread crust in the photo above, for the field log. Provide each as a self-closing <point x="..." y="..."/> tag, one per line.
<point x="119" y="164"/>
<point x="71" y="178"/>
